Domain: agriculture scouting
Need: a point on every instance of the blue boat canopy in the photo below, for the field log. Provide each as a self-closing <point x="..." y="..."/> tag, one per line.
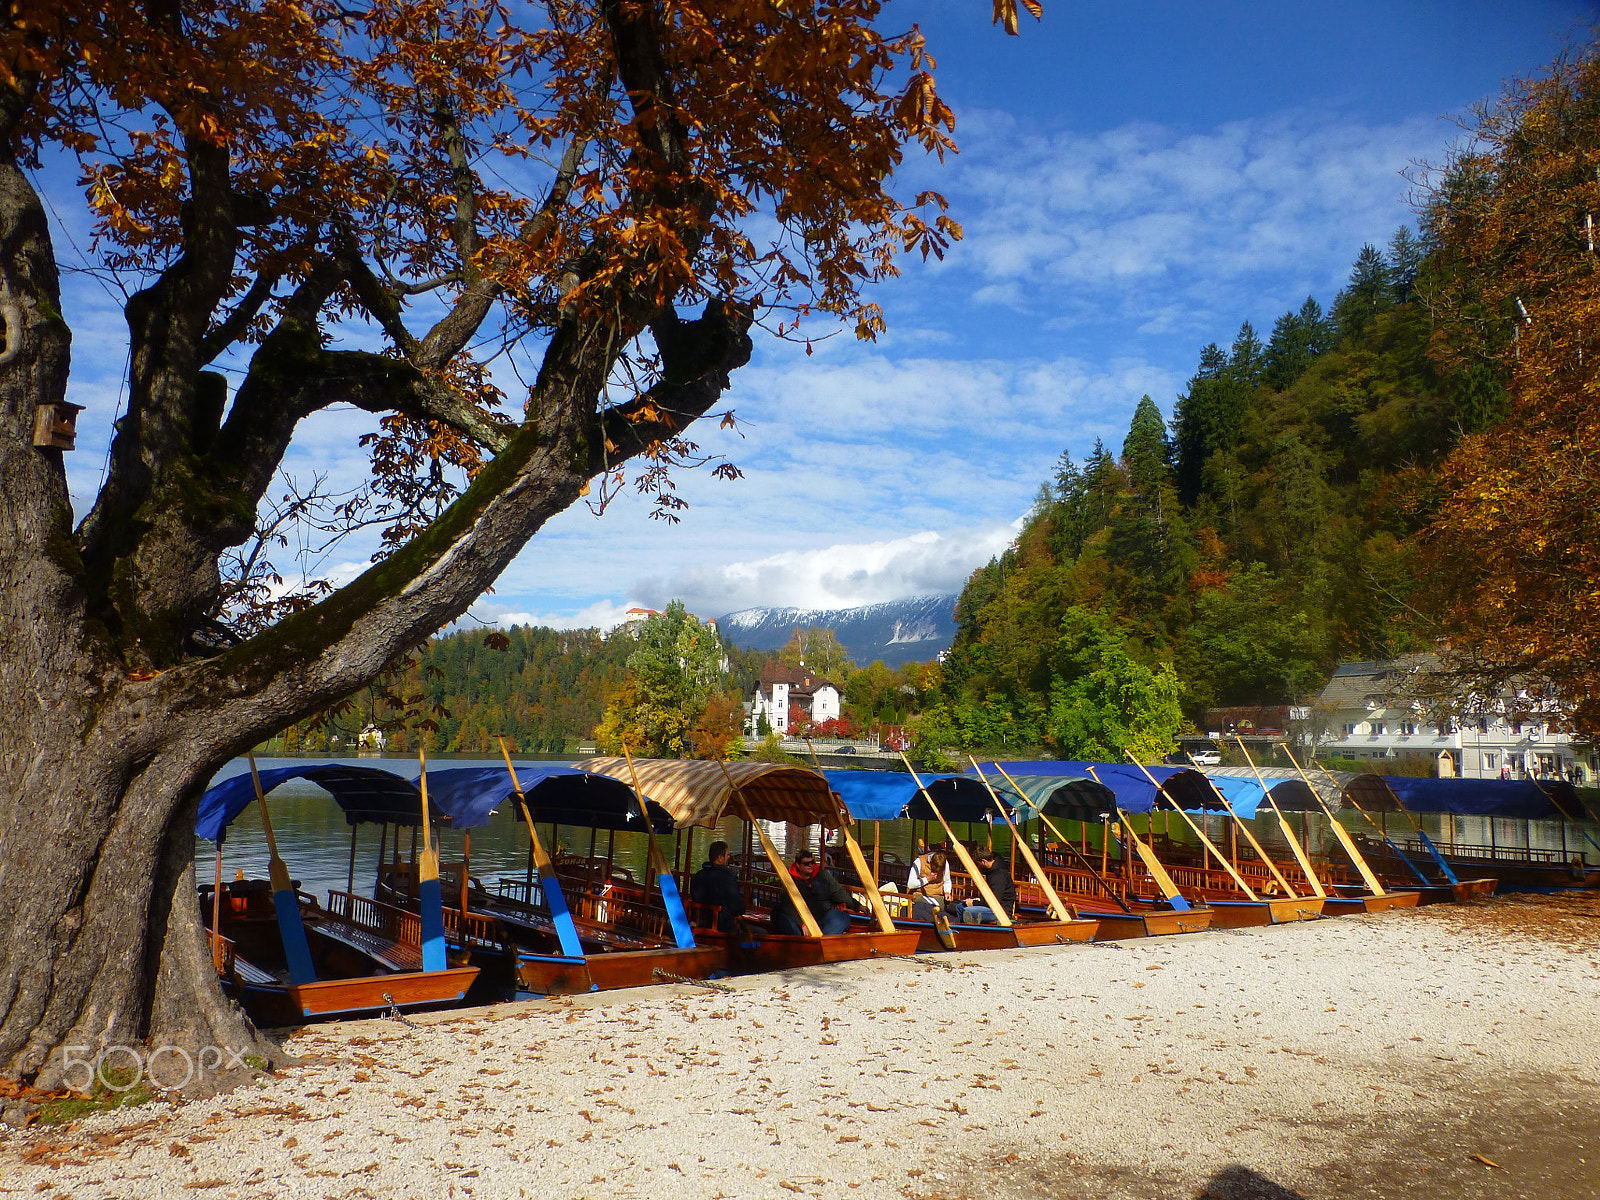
<point x="366" y="794"/>
<point x="556" y="794"/>
<point x="892" y="795"/>
<point x="1520" y="798"/>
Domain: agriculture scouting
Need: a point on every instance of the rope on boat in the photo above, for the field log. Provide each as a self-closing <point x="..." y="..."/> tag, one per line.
<point x="395" y="1014"/>
<point x="669" y="977"/>
<point x="920" y="960"/>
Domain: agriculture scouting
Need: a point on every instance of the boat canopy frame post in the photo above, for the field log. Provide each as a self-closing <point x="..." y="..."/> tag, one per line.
<point x="1158" y="873"/>
<point x="1205" y="841"/>
<point x="1374" y="884"/>
<point x="554" y="898"/>
<point x="1057" y="905"/>
<point x="990" y="900"/>
<point x="1295" y="848"/>
<point x="671" y="898"/>
<point x="350" y="879"/>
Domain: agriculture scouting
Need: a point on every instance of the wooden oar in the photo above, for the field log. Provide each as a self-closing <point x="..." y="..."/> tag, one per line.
<point x="216" y="911"/>
<point x="1249" y="836"/>
<point x="1288" y="831"/>
<point x="430" y="899"/>
<point x="989" y="898"/>
<point x="671" y="899"/>
<point x="1067" y="842"/>
<point x="1060" y="909"/>
<point x="808" y="919"/>
<point x="858" y="859"/>
<point x="549" y="883"/>
<point x="1238" y="879"/>
<point x="296" y="950"/>
<point x="1169" y="889"/>
<point x="1374" y="885"/>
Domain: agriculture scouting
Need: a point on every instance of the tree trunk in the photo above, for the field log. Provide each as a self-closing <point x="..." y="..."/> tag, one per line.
<point x="100" y="939"/>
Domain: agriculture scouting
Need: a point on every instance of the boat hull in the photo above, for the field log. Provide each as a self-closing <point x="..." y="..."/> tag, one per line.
<point x="1345" y="906"/>
<point x="1118" y="926"/>
<point x="410" y="991"/>
<point x="781" y="951"/>
<point x="1252" y="914"/>
<point x="559" y="975"/>
<point x="997" y="937"/>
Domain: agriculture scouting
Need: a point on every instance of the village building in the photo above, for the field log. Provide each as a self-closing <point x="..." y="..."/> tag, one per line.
<point x="1396" y="710"/>
<point x="781" y="687"/>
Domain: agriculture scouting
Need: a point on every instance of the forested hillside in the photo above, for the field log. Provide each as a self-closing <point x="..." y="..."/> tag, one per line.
<point x="1234" y="554"/>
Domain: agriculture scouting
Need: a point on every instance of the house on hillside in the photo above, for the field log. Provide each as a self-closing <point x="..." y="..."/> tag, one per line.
<point x="781" y="687"/>
<point x="1397" y="710"/>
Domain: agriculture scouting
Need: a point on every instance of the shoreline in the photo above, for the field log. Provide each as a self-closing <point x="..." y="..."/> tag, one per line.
<point x="1357" y="1056"/>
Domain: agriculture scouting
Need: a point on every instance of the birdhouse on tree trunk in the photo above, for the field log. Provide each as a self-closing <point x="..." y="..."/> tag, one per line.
<point x="56" y="425"/>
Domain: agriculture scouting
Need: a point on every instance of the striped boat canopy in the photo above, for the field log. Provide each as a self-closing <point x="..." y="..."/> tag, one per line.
<point x="697" y="792"/>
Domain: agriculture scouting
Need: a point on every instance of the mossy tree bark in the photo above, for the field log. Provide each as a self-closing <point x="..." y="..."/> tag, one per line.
<point x="111" y="724"/>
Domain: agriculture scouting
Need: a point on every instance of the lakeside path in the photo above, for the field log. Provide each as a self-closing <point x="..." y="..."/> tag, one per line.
<point x="1369" y="1056"/>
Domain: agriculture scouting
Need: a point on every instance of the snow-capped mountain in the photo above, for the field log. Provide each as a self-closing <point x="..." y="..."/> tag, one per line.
<point x="898" y="631"/>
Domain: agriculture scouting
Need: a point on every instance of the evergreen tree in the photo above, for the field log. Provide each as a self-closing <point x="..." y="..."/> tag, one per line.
<point x="1192" y="422"/>
<point x="1405" y="260"/>
<point x="1146" y="453"/>
<point x="1246" y="359"/>
<point x="1370" y="292"/>
<point x="1297" y="339"/>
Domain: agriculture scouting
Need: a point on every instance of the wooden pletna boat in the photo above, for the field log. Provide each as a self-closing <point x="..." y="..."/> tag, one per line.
<point x="1510" y="867"/>
<point x="700" y="793"/>
<point x="1133" y="892"/>
<point x="894" y="795"/>
<point x="568" y="928"/>
<point x="287" y="958"/>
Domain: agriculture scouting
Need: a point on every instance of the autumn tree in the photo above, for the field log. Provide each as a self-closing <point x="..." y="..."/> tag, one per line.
<point x="1516" y="293"/>
<point x="819" y="650"/>
<point x="675" y="670"/>
<point x="399" y="206"/>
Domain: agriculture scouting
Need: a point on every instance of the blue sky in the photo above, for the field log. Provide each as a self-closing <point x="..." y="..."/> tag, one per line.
<point x="1135" y="180"/>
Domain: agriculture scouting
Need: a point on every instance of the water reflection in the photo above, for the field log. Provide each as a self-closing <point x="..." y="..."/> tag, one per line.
<point x="315" y="842"/>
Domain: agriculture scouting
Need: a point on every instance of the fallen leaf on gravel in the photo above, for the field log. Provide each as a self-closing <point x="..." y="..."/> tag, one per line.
<point x="1488" y="1162"/>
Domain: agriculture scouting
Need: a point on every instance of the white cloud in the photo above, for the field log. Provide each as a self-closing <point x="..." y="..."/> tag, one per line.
<point x="838" y="576"/>
<point x="602" y="614"/>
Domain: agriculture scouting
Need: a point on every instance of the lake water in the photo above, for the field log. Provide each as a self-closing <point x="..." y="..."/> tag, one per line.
<point x="315" y="842"/>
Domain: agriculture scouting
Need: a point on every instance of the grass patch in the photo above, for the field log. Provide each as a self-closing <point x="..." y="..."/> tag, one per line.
<point x="112" y="1089"/>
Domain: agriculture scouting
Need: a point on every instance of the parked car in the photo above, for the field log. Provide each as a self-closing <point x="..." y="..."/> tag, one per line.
<point x="1201" y="754"/>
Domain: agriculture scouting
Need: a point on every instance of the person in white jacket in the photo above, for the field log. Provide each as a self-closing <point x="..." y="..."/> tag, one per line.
<point x="928" y="883"/>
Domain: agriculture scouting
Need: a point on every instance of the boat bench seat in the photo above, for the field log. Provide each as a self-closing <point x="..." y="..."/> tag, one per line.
<point x="251" y="975"/>
<point x="386" y="952"/>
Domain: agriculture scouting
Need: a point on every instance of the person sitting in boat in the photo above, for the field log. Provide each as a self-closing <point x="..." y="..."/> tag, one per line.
<point x="998" y="876"/>
<point x="717" y="884"/>
<point x="928" y="882"/>
<point x="821" y="892"/>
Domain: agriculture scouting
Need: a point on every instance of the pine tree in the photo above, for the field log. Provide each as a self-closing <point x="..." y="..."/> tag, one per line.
<point x="1405" y="260"/>
<point x="1146" y="453"/>
<point x="1246" y="359"/>
<point x="1191" y="423"/>
<point x="1370" y="292"/>
<point x="1297" y="339"/>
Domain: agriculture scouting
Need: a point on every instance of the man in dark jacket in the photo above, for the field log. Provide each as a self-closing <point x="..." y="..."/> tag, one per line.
<point x="821" y="892"/>
<point x="998" y="876"/>
<point x="717" y="883"/>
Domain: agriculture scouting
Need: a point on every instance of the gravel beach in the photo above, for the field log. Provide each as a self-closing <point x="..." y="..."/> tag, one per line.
<point x="1435" y="1052"/>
